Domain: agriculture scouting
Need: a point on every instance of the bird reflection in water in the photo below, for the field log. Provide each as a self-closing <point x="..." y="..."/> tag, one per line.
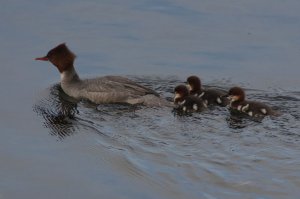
<point x="237" y="120"/>
<point x="58" y="111"/>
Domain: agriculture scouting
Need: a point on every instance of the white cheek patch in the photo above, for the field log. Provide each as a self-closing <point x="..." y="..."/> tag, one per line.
<point x="245" y="108"/>
<point x="177" y="95"/>
<point x="189" y="87"/>
<point x="250" y="113"/>
<point x="263" y="110"/>
<point x="195" y="107"/>
<point x="219" y="100"/>
<point x="184" y="108"/>
<point x="233" y="98"/>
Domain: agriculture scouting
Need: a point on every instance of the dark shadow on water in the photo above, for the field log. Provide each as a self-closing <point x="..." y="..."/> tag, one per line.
<point x="58" y="111"/>
<point x="178" y="112"/>
<point x="239" y="121"/>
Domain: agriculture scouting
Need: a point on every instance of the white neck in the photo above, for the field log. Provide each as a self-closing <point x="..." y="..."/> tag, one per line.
<point x="69" y="75"/>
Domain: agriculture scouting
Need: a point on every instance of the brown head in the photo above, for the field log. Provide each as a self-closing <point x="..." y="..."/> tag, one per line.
<point x="61" y="57"/>
<point x="180" y="92"/>
<point x="236" y="94"/>
<point x="194" y="84"/>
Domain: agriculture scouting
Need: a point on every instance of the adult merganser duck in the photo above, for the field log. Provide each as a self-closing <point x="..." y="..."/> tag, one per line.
<point x="185" y="101"/>
<point x="107" y="89"/>
<point x="238" y="103"/>
<point x="209" y="96"/>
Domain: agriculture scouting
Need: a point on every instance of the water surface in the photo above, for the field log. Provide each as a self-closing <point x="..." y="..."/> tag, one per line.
<point x="54" y="147"/>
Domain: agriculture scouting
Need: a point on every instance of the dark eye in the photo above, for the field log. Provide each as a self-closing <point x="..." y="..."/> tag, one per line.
<point x="49" y="54"/>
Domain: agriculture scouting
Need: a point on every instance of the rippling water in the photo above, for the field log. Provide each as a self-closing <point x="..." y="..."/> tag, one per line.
<point x="209" y="154"/>
<point x="52" y="146"/>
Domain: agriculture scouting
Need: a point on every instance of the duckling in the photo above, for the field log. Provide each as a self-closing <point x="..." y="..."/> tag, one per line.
<point x="209" y="96"/>
<point x="238" y="103"/>
<point x="187" y="102"/>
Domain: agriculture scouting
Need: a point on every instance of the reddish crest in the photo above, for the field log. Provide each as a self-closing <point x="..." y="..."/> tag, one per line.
<point x="60" y="56"/>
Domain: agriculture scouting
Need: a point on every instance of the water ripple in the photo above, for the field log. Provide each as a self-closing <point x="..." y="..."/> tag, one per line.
<point x="175" y="153"/>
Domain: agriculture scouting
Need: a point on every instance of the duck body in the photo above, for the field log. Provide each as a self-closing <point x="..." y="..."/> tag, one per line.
<point x="211" y="96"/>
<point x="251" y="108"/>
<point x="191" y="104"/>
<point x="107" y="89"/>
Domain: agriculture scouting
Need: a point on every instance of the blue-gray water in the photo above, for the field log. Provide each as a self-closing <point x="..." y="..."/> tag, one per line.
<point x="53" y="148"/>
